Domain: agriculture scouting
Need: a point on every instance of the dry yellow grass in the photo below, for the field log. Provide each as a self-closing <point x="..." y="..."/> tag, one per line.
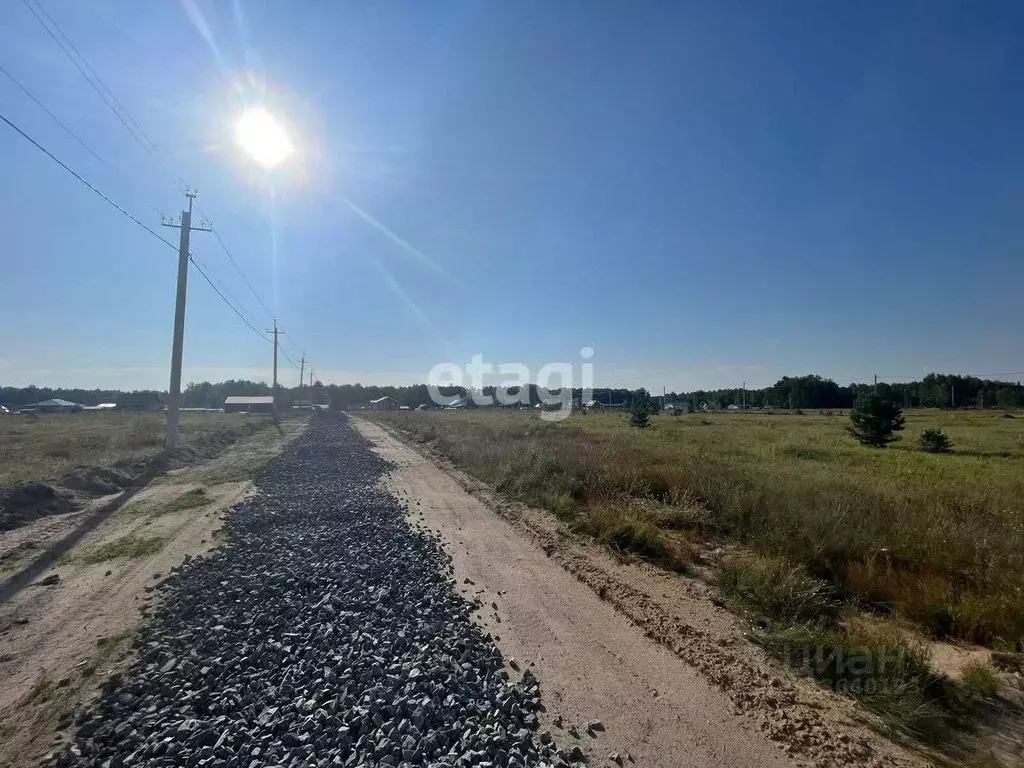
<point x="48" y="446"/>
<point x="938" y="539"/>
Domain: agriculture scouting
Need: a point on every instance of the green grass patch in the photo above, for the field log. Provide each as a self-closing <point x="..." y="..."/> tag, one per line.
<point x="197" y="497"/>
<point x="637" y="536"/>
<point x="980" y="679"/>
<point x="123" y="548"/>
<point x="776" y="588"/>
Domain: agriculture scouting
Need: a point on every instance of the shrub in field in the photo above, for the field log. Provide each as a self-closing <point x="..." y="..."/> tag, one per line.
<point x="775" y="587"/>
<point x="640" y="415"/>
<point x="635" y="535"/>
<point x="935" y="441"/>
<point x="980" y="679"/>
<point x="874" y="422"/>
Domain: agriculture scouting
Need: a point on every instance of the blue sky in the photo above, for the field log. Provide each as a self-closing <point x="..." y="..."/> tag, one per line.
<point x="705" y="193"/>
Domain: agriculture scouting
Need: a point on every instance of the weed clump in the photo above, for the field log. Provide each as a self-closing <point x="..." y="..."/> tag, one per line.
<point x="125" y="547"/>
<point x="979" y="679"/>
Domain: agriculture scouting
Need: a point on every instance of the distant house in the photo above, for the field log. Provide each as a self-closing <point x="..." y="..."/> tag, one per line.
<point x="100" y="407"/>
<point x="55" y="405"/>
<point x="238" y="404"/>
<point x="597" y="405"/>
<point x="672" y="407"/>
<point x="384" y="404"/>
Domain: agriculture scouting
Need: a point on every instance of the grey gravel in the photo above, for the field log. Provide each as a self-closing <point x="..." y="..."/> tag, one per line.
<point x="325" y="631"/>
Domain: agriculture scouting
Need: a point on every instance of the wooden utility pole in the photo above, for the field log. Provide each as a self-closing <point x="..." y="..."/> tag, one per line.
<point x="876" y="383"/>
<point x="275" y="331"/>
<point x="302" y="377"/>
<point x="178" y="342"/>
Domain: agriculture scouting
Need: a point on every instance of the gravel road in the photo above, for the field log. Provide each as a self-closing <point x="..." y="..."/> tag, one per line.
<point x="324" y="632"/>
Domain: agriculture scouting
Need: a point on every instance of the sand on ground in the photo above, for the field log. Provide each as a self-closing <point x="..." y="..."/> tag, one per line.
<point x="666" y="670"/>
<point x="60" y="642"/>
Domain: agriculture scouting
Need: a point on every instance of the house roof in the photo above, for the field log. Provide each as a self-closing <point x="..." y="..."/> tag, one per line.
<point x="382" y="399"/>
<point x="260" y="400"/>
<point x="56" y="402"/>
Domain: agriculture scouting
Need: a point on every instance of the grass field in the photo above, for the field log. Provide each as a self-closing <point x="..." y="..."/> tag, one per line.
<point x="937" y="539"/>
<point x="48" y="446"/>
<point x="853" y="553"/>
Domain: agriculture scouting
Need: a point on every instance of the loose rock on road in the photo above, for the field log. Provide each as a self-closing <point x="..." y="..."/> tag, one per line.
<point x="324" y="632"/>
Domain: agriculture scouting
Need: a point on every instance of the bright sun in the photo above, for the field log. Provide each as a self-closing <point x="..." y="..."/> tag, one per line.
<point x="263" y="137"/>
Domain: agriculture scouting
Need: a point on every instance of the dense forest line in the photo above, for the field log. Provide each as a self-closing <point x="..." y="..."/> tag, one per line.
<point x="934" y="391"/>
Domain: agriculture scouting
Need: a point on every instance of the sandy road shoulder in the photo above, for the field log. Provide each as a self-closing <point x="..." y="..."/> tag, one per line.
<point x="73" y="629"/>
<point x="646" y="652"/>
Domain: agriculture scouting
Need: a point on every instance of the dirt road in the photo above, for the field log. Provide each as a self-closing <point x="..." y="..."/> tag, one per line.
<point x="592" y="664"/>
<point x="73" y="628"/>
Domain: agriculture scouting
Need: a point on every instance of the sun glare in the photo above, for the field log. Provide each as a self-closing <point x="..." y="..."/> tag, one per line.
<point x="262" y="137"/>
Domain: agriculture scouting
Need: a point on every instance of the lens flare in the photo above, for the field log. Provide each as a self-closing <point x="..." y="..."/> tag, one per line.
<point x="263" y="137"/>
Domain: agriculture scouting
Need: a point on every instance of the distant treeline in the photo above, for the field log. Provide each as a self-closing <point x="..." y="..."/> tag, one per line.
<point x="195" y="395"/>
<point x="934" y="391"/>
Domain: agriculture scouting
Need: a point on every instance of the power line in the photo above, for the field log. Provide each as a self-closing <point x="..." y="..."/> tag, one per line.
<point x="53" y="117"/>
<point x="289" y="359"/>
<point x="140" y="137"/>
<point x="191" y="258"/>
<point x="241" y="307"/>
<point x="78" y="176"/>
<point x="122" y="113"/>
<point x="239" y="270"/>
<point x="134" y="219"/>
<point x="59" y="162"/>
<point x="67" y="130"/>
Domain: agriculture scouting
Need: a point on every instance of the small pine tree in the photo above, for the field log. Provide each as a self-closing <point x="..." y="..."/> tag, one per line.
<point x="935" y="441"/>
<point x="874" y="421"/>
<point x="640" y="415"/>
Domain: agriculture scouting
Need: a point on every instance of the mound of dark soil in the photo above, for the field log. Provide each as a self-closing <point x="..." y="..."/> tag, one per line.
<point x="212" y="444"/>
<point x="97" y="481"/>
<point x="21" y="504"/>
